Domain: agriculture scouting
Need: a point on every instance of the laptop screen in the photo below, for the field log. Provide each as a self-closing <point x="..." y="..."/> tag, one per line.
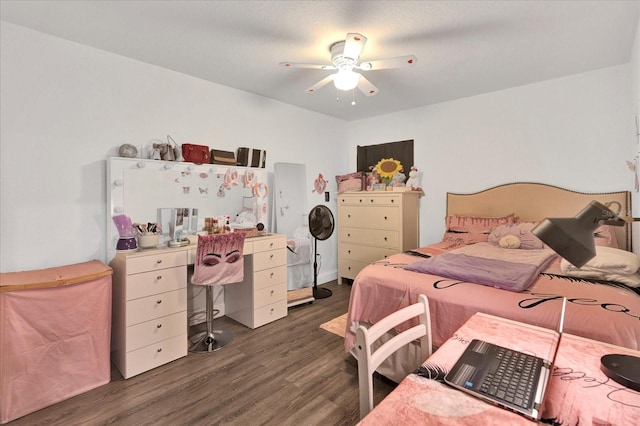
<point x="558" y="333"/>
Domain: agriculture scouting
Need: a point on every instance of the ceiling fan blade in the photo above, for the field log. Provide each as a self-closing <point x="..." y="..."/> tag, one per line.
<point x="399" y="62"/>
<point x="366" y="86"/>
<point x="321" y="83"/>
<point x="302" y="65"/>
<point x="353" y="45"/>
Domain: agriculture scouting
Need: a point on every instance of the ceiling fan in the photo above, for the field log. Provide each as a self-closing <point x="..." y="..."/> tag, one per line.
<point x="344" y="58"/>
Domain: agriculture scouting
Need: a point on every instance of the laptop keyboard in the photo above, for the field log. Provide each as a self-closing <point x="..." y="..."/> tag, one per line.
<point x="512" y="378"/>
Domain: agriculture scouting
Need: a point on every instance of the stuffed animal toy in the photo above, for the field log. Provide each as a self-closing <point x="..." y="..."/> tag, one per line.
<point x="398" y="179"/>
<point x="414" y="179"/>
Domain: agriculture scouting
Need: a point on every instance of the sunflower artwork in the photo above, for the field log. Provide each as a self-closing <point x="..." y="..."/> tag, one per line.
<point x="387" y="169"/>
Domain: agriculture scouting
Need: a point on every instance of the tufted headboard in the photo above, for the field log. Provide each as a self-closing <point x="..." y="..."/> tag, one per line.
<point x="536" y="201"/>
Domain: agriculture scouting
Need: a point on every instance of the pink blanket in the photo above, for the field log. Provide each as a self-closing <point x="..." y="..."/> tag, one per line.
<point x="608" y="313"/>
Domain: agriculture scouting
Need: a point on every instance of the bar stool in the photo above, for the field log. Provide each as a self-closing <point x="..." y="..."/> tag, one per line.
<point x="219" y="261"/>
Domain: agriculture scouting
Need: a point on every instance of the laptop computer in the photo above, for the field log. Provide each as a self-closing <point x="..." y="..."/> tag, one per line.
<point x="511" y="379"/>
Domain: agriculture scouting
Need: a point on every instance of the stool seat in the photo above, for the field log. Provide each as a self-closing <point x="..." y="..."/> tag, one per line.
<point x="219" y="261"/>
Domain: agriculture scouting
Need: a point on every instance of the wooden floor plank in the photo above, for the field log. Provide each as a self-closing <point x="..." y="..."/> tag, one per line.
<point x="289" y="372"/>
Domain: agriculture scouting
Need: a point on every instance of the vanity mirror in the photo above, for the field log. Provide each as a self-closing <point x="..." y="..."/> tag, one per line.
<point x="139" y="188"/>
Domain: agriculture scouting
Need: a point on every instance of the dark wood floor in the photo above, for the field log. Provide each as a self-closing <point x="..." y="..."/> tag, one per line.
<point x="289" y="372"/>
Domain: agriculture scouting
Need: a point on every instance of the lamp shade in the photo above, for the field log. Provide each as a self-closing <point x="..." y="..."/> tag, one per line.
<point x="572" y="238"/>
<point x="346" y="80"/>
<point x="569" y="238"/>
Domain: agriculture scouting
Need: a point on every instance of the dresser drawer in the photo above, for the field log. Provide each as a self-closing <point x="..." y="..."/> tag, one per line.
<point x="387" y="239"/>
<point x="350" y="268"/>
<point x="270" y="277"/>
<point x="160" y="281"/>
<point x="269" y="295"/>
<point x="269" y="313"/>
<point x="268" y="244"/>
<point x="156" y="306"/>
<point x="153" y="331"/>
<point x="269" y="259"/>
<point x="365" y="199"/>
<point x="363" y="253"/>
<point x="155" y="355"/>
<point x="156" y="261"/>
<point x="375" y="218"/>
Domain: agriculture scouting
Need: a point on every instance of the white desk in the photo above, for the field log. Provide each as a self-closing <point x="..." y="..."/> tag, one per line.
<point x="150" y="300"/>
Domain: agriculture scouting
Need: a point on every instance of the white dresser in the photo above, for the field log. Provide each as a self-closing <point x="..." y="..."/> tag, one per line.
<point x="373" y="225"/>
<point x="149" y="324"/>
<point x="262" y="297"/>
<point x="149" y="321"/>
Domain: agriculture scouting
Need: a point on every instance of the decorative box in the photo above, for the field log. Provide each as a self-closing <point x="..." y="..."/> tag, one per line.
<point x="351" y="182"/>
<point x="249" y="157"/>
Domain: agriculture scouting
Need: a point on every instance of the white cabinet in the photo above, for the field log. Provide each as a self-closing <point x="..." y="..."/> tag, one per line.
<point x="149" y="321"/>
<point x="149" y="309"/>
<point x="262" y="297"/>
<point x="373" y="225"/>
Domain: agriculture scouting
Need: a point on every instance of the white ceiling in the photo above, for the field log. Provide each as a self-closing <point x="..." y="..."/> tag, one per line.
<point x="464" y="48"/>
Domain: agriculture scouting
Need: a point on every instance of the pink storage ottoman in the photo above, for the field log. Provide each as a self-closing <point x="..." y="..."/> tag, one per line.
<point x="55" y="331"/>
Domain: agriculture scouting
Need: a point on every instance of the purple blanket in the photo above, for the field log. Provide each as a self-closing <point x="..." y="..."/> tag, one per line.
<point x="499" y="273"/>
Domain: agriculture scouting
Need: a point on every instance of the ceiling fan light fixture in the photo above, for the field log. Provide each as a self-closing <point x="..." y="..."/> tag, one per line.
<point x="346" y="80"/>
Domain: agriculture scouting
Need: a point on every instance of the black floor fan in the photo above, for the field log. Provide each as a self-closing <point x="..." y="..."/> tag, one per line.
<point x="321" y="226"/>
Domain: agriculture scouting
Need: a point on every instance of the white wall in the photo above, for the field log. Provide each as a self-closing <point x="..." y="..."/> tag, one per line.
<point x="634" y="63"/>
<point x="571" y="132"/>
<point x="66" y="107"/>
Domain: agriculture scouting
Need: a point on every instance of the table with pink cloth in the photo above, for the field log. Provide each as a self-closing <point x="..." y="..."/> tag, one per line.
<point x="578" y="393"/>
<point x="55" y="335"/>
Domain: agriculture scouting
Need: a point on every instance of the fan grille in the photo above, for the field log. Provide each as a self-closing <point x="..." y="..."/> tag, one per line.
<point x="321" y="222"/>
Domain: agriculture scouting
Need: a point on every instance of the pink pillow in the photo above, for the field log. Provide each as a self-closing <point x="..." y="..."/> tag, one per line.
<point x="522" y="230"/>
<point x="472" y="229"/>
<point x="605" y="236"/>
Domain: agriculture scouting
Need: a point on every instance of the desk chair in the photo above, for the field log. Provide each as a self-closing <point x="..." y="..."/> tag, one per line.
<point x="369" y="359"/>
<point x="219" y="260"/>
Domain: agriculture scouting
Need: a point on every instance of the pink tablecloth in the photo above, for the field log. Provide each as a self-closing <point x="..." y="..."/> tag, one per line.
<point x="579" y="393"/>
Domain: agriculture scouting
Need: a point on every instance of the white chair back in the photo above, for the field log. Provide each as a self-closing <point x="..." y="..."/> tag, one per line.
<point x="369" y="359"/>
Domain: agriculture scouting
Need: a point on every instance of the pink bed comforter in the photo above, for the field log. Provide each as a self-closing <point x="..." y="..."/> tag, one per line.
<point x="607" y="313"/>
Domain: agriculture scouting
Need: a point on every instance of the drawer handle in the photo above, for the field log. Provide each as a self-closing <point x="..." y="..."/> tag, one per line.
<point x="271" y="276"/>
<point x="393" y="201"/>
<point x="349" y="235"/>
<point x="272" y="292"/>
<point x="360" y="200"/>
<point x="159" y="350"/>
<point x="385" y="218"/>
<point x="159" y="277"/>
<point x="272" y="310"/>
<point x="271" y="257"/>
<point x="271" y="245"/>
<point x="349" y="267"/>
<point x="349" y="251"/>
<point x="159" y="261"/>
<point x="159" y="326"/>
<point x="159" y="301"/>
<point x="371" y="200"/>
<point x="385" y="238"/>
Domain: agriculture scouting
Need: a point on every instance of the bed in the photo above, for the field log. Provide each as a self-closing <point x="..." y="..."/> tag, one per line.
<point x="602" y="310"/>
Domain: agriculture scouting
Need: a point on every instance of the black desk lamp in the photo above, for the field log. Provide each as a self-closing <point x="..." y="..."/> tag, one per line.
<point x="572" y="238"/>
